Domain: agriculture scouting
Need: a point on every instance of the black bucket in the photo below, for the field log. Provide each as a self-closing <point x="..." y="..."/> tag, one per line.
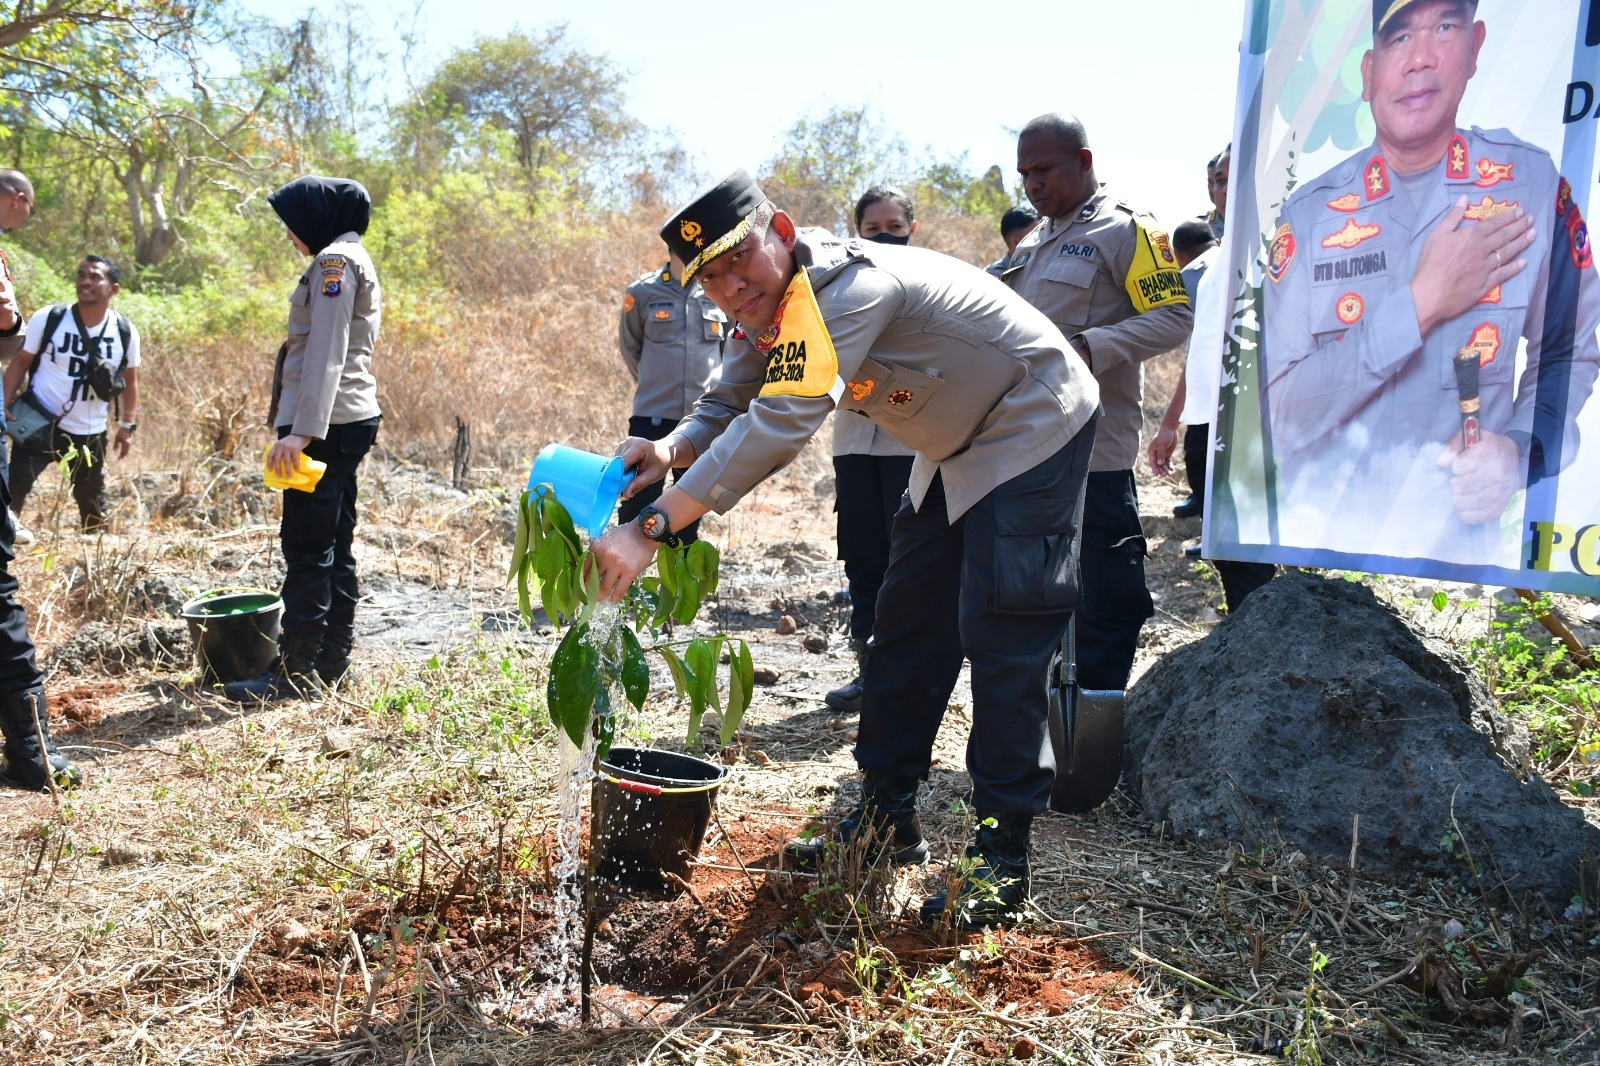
<point x="235" y="632"/>
<point x="650" y="810"/>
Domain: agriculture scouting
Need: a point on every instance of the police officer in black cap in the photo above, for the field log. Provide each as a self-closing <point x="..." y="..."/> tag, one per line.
<point x="983" y="557"/>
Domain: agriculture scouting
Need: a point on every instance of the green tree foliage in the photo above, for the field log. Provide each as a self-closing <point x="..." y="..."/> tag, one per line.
<point x="827" y="162"/>
<point x="539" y="101"/>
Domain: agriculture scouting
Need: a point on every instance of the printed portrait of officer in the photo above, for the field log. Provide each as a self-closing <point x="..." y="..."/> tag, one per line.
<point x="1399" y="285"/>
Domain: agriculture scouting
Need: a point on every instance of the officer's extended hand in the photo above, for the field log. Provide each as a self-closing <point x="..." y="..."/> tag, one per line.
<point x="647" y="460"/>
<point x="1460" y="263"/>
<point x="1483" y="478"/>
<point x="622" y="553"/>
<point x="1161" y="448"/>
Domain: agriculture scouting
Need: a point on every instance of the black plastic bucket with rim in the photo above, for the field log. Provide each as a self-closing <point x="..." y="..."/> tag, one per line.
<point x="649" y="815"/>
<point x="234" y="632"/>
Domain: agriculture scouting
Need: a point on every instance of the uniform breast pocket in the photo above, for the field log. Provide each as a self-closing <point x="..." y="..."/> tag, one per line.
<point x="713" y="322"/>
<point x="663" y="321"/>
<point x="888" y="390"/>
<point x="1494" y="332"/>
<point x="1070" y="290"/>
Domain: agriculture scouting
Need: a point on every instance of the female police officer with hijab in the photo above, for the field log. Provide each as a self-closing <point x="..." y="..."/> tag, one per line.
<point x="324" y="405"/>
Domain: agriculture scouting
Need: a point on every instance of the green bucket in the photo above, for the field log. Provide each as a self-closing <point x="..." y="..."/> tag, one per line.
<point x="234" y="632"/>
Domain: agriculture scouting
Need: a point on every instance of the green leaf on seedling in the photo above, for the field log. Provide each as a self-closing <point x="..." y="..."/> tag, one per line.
<point x="741" y="688"/>
<point x="701" y="658"/>
<point x="561" y="522"/>
<point x="524" y="600"/>
<point x="688" y="599"/>
<point x="667" y="567"/>
<point x="1440" y="600"/>
<point x="680" y="675"/>
<point x="591" y="577"/>
<point x="635" y="669"/>
<point x="701" y="559"/>
<point x="574" y="684"/>
<point x="519" y="546"/>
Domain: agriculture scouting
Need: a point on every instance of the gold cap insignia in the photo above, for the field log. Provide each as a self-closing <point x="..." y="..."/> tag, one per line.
<point x="689" y="229"/>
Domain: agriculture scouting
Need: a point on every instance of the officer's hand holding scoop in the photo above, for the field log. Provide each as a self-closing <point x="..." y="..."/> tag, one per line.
<point x="624" y="551"/>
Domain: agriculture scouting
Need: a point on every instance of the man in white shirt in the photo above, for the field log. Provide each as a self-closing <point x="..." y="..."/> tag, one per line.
<point x="59" y="372"/>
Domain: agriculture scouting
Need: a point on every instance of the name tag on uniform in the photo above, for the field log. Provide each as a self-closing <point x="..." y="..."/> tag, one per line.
<point x="801" y="360"/>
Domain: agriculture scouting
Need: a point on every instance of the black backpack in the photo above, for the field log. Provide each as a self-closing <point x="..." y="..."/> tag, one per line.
<point x="106" y="383"/>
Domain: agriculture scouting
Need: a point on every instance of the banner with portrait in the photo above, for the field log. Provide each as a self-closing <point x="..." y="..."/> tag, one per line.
<point x="1413" y="306"/>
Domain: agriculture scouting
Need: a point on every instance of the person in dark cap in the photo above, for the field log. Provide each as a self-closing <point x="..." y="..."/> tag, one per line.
<point x="325" y="407"/>
<point x="983" y="555"/>
<point x="1435" y="247"/>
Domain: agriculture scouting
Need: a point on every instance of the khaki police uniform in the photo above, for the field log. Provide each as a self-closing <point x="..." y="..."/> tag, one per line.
<point x="334" y="317"/>
<point x="983" y="555"/>
<point x="1360" y="405"/>
<point x="670" y="339"/>
<point x="325" y="390"/>
<point x="1106" y="276"/>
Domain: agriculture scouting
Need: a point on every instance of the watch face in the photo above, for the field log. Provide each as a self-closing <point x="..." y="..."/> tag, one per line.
<point x="653" y="523"/>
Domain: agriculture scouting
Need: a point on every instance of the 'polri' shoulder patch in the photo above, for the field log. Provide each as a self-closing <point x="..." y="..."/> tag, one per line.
<point x="1280" y="254"/>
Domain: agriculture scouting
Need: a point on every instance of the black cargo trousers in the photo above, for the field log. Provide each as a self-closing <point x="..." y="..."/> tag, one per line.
<point x="997" y="587"/>
<point x="18" y="671"/>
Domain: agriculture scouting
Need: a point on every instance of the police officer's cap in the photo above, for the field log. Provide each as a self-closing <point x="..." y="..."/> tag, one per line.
<point x="1384" y="10"/>
<point x="714" y="222"/>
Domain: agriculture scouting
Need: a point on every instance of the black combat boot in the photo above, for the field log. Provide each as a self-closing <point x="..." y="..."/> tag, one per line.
<point x="293" y="676"/>
<point x="333" y="659"/>
<point x="994" y="890"/>
<point x="846" y="699"/>
<point x="887" y="812"/>
<point x="27" y="764"/>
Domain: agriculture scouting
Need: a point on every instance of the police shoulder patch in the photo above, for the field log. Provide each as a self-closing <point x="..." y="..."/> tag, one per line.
<point x="628" y="302"/>
<point x="1153" y="279"/>
<point x="1578" y="238"/>
<point x="1280" y="253"/>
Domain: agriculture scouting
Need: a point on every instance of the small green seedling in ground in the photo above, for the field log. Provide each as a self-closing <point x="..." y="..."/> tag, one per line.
<point x="585" y="671"/>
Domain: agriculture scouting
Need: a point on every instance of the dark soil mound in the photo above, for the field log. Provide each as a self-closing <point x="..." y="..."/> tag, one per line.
<point x="1316" y="703"/>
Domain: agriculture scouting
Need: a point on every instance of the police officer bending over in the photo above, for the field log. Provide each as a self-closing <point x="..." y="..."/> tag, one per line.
<point x="983" y="557"/>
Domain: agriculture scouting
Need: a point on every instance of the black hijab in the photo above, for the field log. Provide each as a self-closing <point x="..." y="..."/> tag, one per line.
<point x="318" y="210"/>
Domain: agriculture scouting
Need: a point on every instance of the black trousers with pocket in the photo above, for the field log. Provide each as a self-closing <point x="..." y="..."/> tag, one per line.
<point x="18" y="670"/>
<point x="1116" y="601"/>
<point x="317" y="534"/>
<point x="86" y="470"/>
<point x="997" y="586"/>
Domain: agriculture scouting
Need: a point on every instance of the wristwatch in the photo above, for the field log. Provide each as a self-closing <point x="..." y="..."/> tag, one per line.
<point x="129" y="426"/>
<point x="655" y="525"/>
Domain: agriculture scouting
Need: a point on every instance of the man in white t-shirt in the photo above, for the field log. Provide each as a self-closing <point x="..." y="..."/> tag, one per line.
<point x="58" y="371"/>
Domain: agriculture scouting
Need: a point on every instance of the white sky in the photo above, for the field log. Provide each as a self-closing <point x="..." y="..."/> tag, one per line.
<point x="1153" y="83"/>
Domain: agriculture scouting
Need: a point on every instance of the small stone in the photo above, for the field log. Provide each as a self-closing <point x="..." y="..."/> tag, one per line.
<point x="760" y="758"/>
<point x="766" y="675"/>
<point x="786" y="626"/>
<point x="337" y="743"/>
<point x="125" y="855"/>
<point x="1023" y="1049"/>
<point x="1453" y="929"/>
<point x="288" y="937"/>
<point x="836" y="724"/>
<point x="815" y="643"/>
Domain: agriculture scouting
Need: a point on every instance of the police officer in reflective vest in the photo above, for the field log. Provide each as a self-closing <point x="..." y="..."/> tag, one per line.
<point x="1434" y="245"/>
<point x="1108" y="278"/>
<point x="670" y="339"/>
<point x="983" y="553"/>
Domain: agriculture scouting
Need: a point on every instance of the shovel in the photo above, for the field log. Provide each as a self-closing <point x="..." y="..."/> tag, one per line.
<point x="1086" y="733"/>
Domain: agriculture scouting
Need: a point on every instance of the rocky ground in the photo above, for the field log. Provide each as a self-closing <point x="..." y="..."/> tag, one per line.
<point x="369" y="880"/>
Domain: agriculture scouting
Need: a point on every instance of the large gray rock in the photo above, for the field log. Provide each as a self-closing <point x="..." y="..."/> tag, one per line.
<point x="1316" y="702"/>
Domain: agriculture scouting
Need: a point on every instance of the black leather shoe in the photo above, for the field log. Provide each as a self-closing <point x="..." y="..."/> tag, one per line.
<point x="292" y="677"/>
<point x="846" y="699"/>
<point x="886" y="816"/>
<point x="1189" y="508"/>
<point x="1192" y="551"/>
<point x="993" y="891"/>
<point x="28" y="764"/>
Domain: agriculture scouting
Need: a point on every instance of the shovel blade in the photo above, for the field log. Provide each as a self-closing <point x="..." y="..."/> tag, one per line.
<point x="1086" y="733"/>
